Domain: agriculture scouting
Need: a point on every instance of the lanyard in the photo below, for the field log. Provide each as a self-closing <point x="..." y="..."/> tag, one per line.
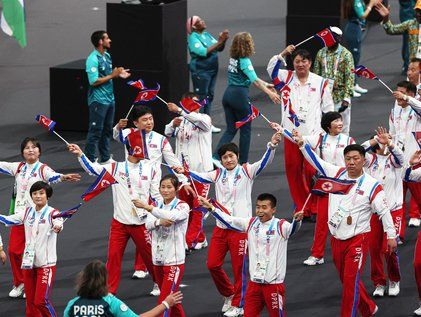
<point x="128" y="180"/>
<point x="267" y="246"/>
<point x="35" y="227"/>
<point x="336" y="147"/>
<point x="360" y="182"/>
<point x="233" y="192"/>
<point x="30" y="174"/>
<point x="405" y="130"/>
<point x="172" y="206"/>
<point x="336" y="64"/>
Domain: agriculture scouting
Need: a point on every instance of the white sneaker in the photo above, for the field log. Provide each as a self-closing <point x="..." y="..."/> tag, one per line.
<point x="155" y="290"/>
<point x="215" y="129"/>
<point x="201" y="245"/>
<point x="24" y="295"/>
<point x="393" y="288"/>
<point x="360" y="89"/>
<point x="376" y="309"/>
<point x="234" y="312"/>
<point x="110" y="160"/>
<point x="379" y="291"/>
<point x="356" y="94"/>
<point x="227" y="303"/>
<point x="17" y="291"/>
<point x="418" y="311"/>
<point x="313" y="261"/>
<point x="137" y="275"/>
<point x="414" y="222"/>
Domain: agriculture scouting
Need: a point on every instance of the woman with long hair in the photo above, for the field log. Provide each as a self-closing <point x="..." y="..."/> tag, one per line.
<point x="236" y="101"/>
<point x="94" y="300"/>
<point x="26" y="173"/>
<point x="168" y="225"/>
<point x="355" y="13"/>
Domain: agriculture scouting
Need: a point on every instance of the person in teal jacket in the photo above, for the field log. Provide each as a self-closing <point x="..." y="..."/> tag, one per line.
<point x="204" y="48"/>
<point x="236" y="101"/>
<point x="93" y="299"/>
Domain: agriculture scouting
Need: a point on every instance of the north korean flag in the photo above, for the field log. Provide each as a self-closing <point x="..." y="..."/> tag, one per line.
<point x="137" y="84"/>
<point x="254" y="113"/>
<point x="328" y="185"/>
<point x="190" y="105"/>
<point x="417" y="136"/>
<point x="67" y="213"/>
<point x="147" y="95"/>
<point x="103" y="181"/>
<point x="46" y="122"/>
<point x="326" y="37"/>
<point x="136" y="143"/>
<point x="362" y="71"/>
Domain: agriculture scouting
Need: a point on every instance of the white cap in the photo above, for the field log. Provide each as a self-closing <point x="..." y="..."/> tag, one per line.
<point x="336" y="30"/>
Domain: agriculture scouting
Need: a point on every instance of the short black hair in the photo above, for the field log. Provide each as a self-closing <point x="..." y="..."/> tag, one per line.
<point x="303" y="53"/>
<point x="25" y="142"/>
<point x="354" y="147"/>
<point x="415" y="60"/>
<point x="327" y="119"/>
<point x="97" y="36"/>
<point x="410" y="87"/>
<point x="140" y="111"/>
<point x="267" y="196"/>
<point x="174" y="180"/>
<point x="232" y="147"/>
<point x="41" y="185"/>
<point x="190" y="95"/>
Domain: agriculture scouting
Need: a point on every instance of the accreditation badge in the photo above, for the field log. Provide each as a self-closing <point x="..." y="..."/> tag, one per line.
<point x="330" y="83"/>
<point x="28" y="257"/>
<point x="260" y="272"/>
<point x="337" y="217"/>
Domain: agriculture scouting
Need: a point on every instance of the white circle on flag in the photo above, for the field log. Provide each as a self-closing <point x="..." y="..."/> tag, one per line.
<point x="327" y="186"/>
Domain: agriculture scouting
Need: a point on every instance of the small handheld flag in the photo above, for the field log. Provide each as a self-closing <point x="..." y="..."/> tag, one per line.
<point x="103" y="181"/>
<point x="68" y="213"/>
<point x="137" y="84"/>
<point x="327" y="185"/>
<point x="136" y="143"/>
<point x="147" y="95"/>
<point x="190" y="105"/>
<point x="362" y="71"/>
<point x="326" y="37"/>
<point x="254" y="113"/>
<point x="49" y="125"/>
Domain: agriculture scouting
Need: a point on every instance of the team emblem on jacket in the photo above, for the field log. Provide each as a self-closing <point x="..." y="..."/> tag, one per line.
<point x="327" y="186"/>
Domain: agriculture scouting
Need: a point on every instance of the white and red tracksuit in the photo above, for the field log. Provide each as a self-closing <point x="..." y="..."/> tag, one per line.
<point x="413" y="174"/>
<point x="168" y="248"/>
<point x="135" y="181"/>
<point x="194" y="142"/>
<point x="402" y="123"/>
<point x="308" y="101"/>
<point x="233" y="190"/>
<point x="267" y="243"/>
<point x="331" y="149"/>
<point x="25" y="176"/>
<point x="158" y="149"/>
<point x="38" y="228"/>
<point x="387" y="170"/>
<point x="350" y="233"/>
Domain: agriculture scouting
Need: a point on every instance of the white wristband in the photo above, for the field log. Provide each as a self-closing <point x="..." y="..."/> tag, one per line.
<point x="165" y="304"/>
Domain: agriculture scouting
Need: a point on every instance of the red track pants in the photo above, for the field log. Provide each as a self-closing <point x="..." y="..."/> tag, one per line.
<point x="414" y="204"/>
<point x="195" y="233"/>
<point x="169" y="279"/>
<point x="224" y="240"/>
<point x="260" y="295"/>
<point x="119" y="235"/>
<point x="38" y="283"/>
<point x="378" y="251"/>
<point x="139" y="265"/>
<point x="321" y="229"/>
<point x="349" y="257"/>
<point x="299" y="174"/>
<point x="15" y="250"/>
<point x="417" y="264"/>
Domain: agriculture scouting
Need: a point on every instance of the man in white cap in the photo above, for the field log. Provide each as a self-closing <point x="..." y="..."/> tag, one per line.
<point x="336" y="63"/>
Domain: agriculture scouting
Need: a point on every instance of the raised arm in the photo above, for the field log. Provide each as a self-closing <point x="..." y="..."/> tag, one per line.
<point x="12" y="220"/>
<point x="323" y="167"/>
<point x="256" y="168"/>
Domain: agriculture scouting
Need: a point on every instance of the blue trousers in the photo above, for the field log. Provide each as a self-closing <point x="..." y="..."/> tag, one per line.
<point x="406" y="12"/>
<point x="353" y="36"/>
<point x="101" y="119"/>
<point x="204" y="86"/>
<point x="236" y="106"/>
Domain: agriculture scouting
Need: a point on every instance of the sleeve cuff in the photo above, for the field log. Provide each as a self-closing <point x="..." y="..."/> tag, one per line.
<point x="272" y="146"/>
<point x="282" y="59"/>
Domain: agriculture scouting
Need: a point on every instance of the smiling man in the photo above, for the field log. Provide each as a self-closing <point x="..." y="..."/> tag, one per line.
<point x="349" y="223"/>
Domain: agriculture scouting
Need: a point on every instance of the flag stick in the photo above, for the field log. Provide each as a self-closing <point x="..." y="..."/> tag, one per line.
<point x="388" y="88"/>
<point x="305" y="203"/>
<point x="264" y="117"/>
<point x="128" y="113"/>
<point x="302" y="42"/>
<point x="67" y="143"/>
<point x="162" y="100"/>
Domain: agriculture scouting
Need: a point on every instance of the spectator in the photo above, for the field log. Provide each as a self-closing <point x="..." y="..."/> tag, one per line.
<point x="406" y="12"/>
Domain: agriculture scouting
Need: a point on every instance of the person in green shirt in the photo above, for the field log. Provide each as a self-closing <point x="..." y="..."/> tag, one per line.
<point x="336" y="63"/>
<point x="236" y="101"/>
<point x="355" y="13"/>
<point x="93" y="299"/>
<point x="203" y="49"/>
<point x="101" y="73"/>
